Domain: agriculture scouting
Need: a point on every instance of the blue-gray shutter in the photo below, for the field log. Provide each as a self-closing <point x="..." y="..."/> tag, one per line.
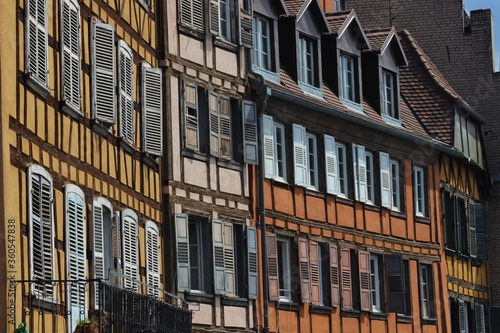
<point x="462" y="316"/>
<point x="70" y="58"/>
<point x="253" y="270"/>
<point x="395" y="284"/>
<point x="300" y="154"/>
<point x="332" y="179"/>
<point x="126" y="91"/>
<point x="214" y="16"/>
<point x="250" y="147"/>
<point x="472" y="229"/>
<point x="191" y="14"/>
<point x="482" y="241"/>
<point x="152" y="120"/>
<point x="268" y="142"/>
<point x="229" y="260"/>
<point x="246" y="32"/>
<point x="213" y="106"/>
<point x="385" y="180"/>
<point x="182" y="247"/>
<point x="479" y="314"/>
<point x="218" y="253"/>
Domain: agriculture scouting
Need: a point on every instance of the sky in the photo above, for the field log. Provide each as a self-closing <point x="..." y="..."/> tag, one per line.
<point x="494" y="5"/>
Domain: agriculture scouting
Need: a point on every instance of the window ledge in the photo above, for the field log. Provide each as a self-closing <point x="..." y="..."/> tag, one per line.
<point x="281" y="183"/>
<point x="429" y="321"/>
<point x="222" y="43"/>
<point x="191" y="32"/>
<point x="378" y="315"/>
<point x="397" y="214"/>
<point x="314" y="193"/>
<point x="230" y="165"/>
<point x="423" y="219"/>
<point x="127" y="146"/>
<point x="353" y="106"/>
<point x="345" y="201"/>
<point x="195" y="155"/>
<point x="101" y="128"/>
<point x="372" y="207"/>
<point x="402" y="318"/>
<point x="288" y="306"/>
<point x="36" y="86"/>
<point x="49" y="304"/>
<point x="392" y="121"/>
<point x="71" y="111"/>
<point x="268" y="75"/>
<point x="450" y="252"/>
<point x="199" y="297"/>
<point x="320" y="309"/>
<point x="150" y="161"/>
<point x="311" y="90"/>
<point x="234" y="301"/>
<point x="350" y="313"/>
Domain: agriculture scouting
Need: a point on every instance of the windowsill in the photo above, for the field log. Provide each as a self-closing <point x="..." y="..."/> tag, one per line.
<point x="314" y="193"/>
<point x="37" y="87"/>
<point x="463" y="257"/>
<point x="199" y="297"/>
<point x="230" y="165"/>
<point x="311" y="90"/>
<point x="320" y="309"/>
<point x="150" y="161"/>
<point x="101" y="129"/>
<point x="378" y="315"/>
<point x="450" y="252"/>
<point x="223" y="43"/>
<point x="372" y="207"/>
<point x="353" y="106"/>
<point x="288" y="306"/>
<point x="345" y="201"/>
<point x="191" y="32"/>
<point x="429" y="321"/>
<point x="268" y="75"/>
<point x="195" y="155"/>
<point x="397" y="213"/>
<point x="281" y="182"/>
<point x="127" y="146"/>
<point x="350" y="313"/>
<point x="392" y="121"/>
<point x="234" y="301"/>
<point x="71" y="111"/>
<point x="476" y="262"/>
<point x="422" y="219"/>
<point x="48" y="304"/>
<point x="403" y="318"/>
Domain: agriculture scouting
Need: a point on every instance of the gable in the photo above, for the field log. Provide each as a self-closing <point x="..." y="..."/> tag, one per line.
<point x="270" y="8"/>
<point x="348" y="40"/>
<point x="308" y="24"/>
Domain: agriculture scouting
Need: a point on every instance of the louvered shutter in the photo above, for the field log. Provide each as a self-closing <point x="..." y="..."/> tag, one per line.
<point x="246" y="33"/>
<point x="361" y="163"/>
<point x="479" y="314"/>
<point x="395" y="284"/>
<point x="153" y="257"/>
<point x="305" y="279"/>
<point x="130" y="249"/>
<point x="482" y="248"/>
<point x="385" y="180"/>
<point x="345" y="271"/>
<point x="191" y="13"/>
<point x="75" y="252"/>
<point x="462" y="316"/>
<point x="314" y="261"/>
<point x="300" y="154"/>
<point x="334" y="275"/>
<point x="36" y="47"/>
<point x="182" y="247"/>
<point x="229" y="260"/>
<point x="268" y="139"/>
<point x="213" y="106"/>
<point x="70" y="59"/>
<point x="472" y="229"/>
<point x="40" y="190"/>
<point x="98" y="247"/>
<point x="191" y="112"/>
<point x="355" y="170"/>
<point x="272" y="267"/>
<point x="152" y="121"/>
<point x="250" y="145"/>
<point x="332" y="178"/>
<point x="225" y="127"/>
<point x="364" y="280"/>
<point x="444" y="215"/>
<point x="126" y="91"/>
<point x="117" y="246"/>
<point x="218" y="253"/>
<point x="214" y="17"/>
<point x="252" y="263"/>
<point x="103" y="72"/>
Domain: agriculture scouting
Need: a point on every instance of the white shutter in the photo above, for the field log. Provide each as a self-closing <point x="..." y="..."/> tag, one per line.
<point x="75" y="253"/>
<point x="229" y="260"/>
<point x="218" y="253"/>
<point x="182" y="247"/>
<point x="268" y="140"/>
<point x="250" y="145"/>
<point x="152" y="257"/>
<point x="36" y="47"/>
<point x="152" y="125"/>
<point x="130" y="249"/>
<point x="355" y="170"/>
<point x="117" y="246"/>
<point x="41" y="239"/>
<point x="70" y="59"/>
<point x="191" y="13"/>
<point x="361" y="173"/>
<point x="300" y="154"/>
<point x="385" y="180"/>
<point x="472" y="229"/>
<point x="479" y="312"/>
<point x="253" y="270"/>
<point x="214" y="17"/>
<point x="213" y="106"/>
<point x="192" y="114"/>
<point x="126" y="91"/>
<point x="98" y="246"/>
<point x="103" y="72"/>
<point x="462" y="317"/>
<point x="332" y="178"/>
<point x="225" y="127"/>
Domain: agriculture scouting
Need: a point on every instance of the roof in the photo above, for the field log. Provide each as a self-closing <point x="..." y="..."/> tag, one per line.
<point x="339" y="22"/>
<point x="335" y="20"/>
<point x="294" y="6"/>
<point x="377" y="37"/>
<point x="381" y="38"/>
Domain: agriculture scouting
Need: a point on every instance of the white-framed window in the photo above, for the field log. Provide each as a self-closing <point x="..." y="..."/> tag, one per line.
<point x="467" y="138"/>
<point x="126" y="92"/>
<point x="306" y="61"/>
<point x="305" y="157"/>
<point x="284" y="272"/>
<point x="359" y="171"/>
<point x="225" y="18"/>
<point x="279" y="148"/>
<point x="370" y="178"/>
<point x="152" y="258"/>
<point x="191" y="116"/>
<point x="191" y="14"/>
<point x="419" y="191"/>
<point x="426" y="291"/>
<point x="262" y="43"/>
<point x="348" y="84"/>
<point x="342" y="169"/>
<point x="390" y="182"/>
<point x="390" y="107"/>
<point x="312" y="161"/>
<point x="41" y="226"/>
<point x="375" y="282"/>
<point x="222" y="18"/>
<point x="395" y="185"/>
<point x="130" y="249"/>
<point x="152" y="112"/>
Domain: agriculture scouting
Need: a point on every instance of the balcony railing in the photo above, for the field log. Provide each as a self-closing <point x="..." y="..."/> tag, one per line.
<point x="58" y="306"/>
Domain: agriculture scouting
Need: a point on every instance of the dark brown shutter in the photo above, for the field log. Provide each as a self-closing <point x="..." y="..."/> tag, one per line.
<point x="345" y="271"/>
<point x="272" y="267"/>
<point x="334" y="275"/>
<point x="305" y="284"/>
<point x="395" y="284"/>
<point x="482" y="249"/>
<point x="364" y="280"/>
<point x="314" y="261"/>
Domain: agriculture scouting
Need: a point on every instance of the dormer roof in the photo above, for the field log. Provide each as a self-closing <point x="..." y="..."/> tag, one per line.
<point x="296" y="8"/>
<point x="382" y="38"/>
<point x="339" y="22"/>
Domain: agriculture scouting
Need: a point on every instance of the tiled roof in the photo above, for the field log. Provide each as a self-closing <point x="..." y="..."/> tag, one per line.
<point x="335" y="20"/>
<point x="294" y="6"/>
<point x="377" y="37"/>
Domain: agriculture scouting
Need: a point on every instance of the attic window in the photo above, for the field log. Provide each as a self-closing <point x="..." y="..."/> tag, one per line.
<point x="309" y="79"/>
<point x="389" y="94"/>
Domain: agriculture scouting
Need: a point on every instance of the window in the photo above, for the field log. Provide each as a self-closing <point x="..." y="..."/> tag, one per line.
<point x="312" y="161"/>
<point x="130" y="249"/>
<point x="262" y="44"/>
<point x="306" y="51"/>
<point x="448" y="216"/>
<point x="274" y="149"/>
<point x="222" y="19"/>
<point x="220" y="126"/>
<point x="338" y="5"/>
<point x="191" y="14"/>
<point x="376" y="283"/>
<point x="398" y="285"/>
<point x="389" y="95"/>
<point x="467" y="138"/>
<point x="126" y="92"/>
<point x="396" y="202"/>
<point x="225" y="18"/>
<point x="390" y="184"/>
<point x="70" y="59"/>
<point x="462" y="226"/>
<point x="279" y="148"/>
<point x="41" y="224"/>
<point x="283" y="271"/>
<point x="342" y="168"/>
<point x="360" y="172"/>
<point x="36" y="46"/>
<point x="349" y="81"/>
<point x="152" y="258"/>
<point x="191" y="116"/>
<point x="305" y="157"/>
<point x="324" y="273"/>
<point x="420" y="191"/>
<point x="152" y="121"/>
<point x="370" y="178"/>
<point x="426" y="291"/>
<point x="199" y="245"/>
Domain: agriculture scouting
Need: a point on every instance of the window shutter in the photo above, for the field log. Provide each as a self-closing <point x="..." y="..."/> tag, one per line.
<point x="229" y="258"/>
<point x="70" y="59"/>
<point x="444" y="214"/>
<point x="479" y="312"/>
<point x="103" y="72"/>
<point x="214" y="17"/>
<point x="253" y="277"/>
<point x="126" y="91"/>
<point x="345" y="271"/>
<point x="315" y="278"/>
<point x="385" y="180"/>
<point x="332" y="178"/>
<point x="182" y="247"/>
<point x="482" y="248"/>
<point x="462" y="316"/>
<point x="494" y="317"/>
<point x="472" y="229"/>
<point x="152" y="124"/>
<point x="191" y="13"/>
<point x="225" y="127"/>
<point x="75" y="251"/>
<point x="305" y="280"/>
<point x="395" y="284"/>
<point x="355" y="170"/>
<point x="300" y="154"/>
<point x="272" y="265"/>
<point x="251" y="150"/>
<point x="361" y="173"/>
<point x="213" y="105"/>
<point x="40" y="188"/>
<point x="246" y="33"/>
<point x="153" y="257"/>
<point x="130" y="249"/>
<point x="191" y="112"/>
<point x="117" y="246"/>
<point x="218" y="249"/>
<point x="364" y="280"/>
<point x="98" y="247"/>
<point x="334" y="275"/>
<point x="268" y="139"/>
<point x="36" y="47"/>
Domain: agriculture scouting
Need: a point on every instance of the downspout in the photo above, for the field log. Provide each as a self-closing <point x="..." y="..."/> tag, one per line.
<point x="263" y="94"/>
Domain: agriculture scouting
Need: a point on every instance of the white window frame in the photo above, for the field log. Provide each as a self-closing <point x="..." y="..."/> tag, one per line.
<point x="341" y="150"/>
<point x="285" y="289"/>
<point x="262" y="43"/>
<point x="279" y="148"/>
<point x="130" y="250"/>
<point x="419" y="191"/>
<point x="370" y="178"/>
<point x="345" y="76"/>
<point x="375" y="283"/>
<point x="395" y="185"/>
<point x="306" y="61"/>
<point x="225" y="19"/>
<point x="191" y="120"/>
<point x="390" y="107"/>
<point x="312" y="170"/>
<point x="426" y="299"/>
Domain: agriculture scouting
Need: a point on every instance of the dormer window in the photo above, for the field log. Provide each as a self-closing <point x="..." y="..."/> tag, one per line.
<point x="389" y="95"/>
<point x="262" y="44"/>
<point x="306" y="49"/>
<point x="347" y="78"/>
<point x="467" y="138"/>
